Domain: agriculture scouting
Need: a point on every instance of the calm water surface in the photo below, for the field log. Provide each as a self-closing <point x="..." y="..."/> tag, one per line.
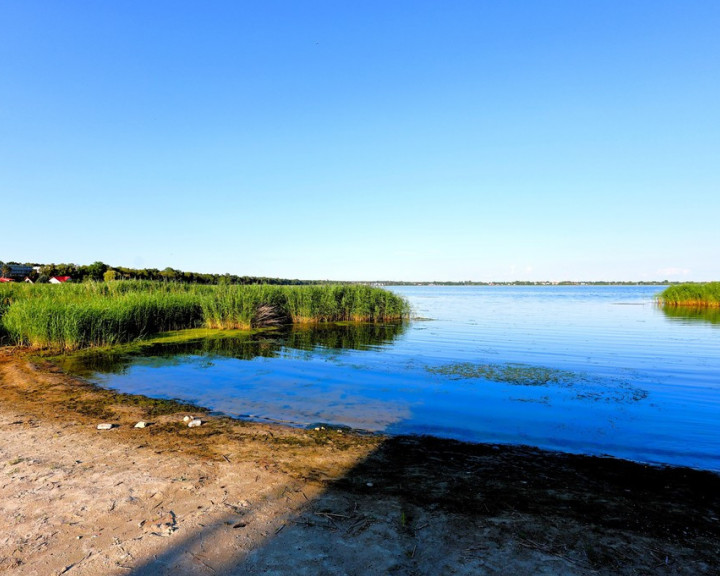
<point x="598" y="370"/>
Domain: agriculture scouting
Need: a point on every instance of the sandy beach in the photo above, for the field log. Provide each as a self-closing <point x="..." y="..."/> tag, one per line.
<point x="233" y="497"/>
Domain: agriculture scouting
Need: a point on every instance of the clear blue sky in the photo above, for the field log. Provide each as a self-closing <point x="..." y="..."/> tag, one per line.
<point x="351" y="140"/>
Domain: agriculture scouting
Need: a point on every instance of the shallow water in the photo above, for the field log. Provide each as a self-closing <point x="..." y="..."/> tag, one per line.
<point x="597" y="370"/>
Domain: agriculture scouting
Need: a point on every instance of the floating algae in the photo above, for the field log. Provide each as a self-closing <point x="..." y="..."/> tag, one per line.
<point x="515" y="374"/>
<point x="586" y="387"/>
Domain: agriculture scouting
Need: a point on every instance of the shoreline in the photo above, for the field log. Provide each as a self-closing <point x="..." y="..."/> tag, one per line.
<point x="235" y="497"/>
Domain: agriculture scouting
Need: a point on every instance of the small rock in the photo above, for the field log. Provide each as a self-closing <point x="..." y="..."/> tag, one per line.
<point x="141" y="425"/>
<point x="105" y="426"/>
<point x="188" y="418"/>
<point x="194" y="423"/>
<point x="164" y="526"/>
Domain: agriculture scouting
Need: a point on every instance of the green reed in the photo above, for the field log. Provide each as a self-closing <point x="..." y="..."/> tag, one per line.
<point x="697" y="295"/>
<point x="93" y="314"/>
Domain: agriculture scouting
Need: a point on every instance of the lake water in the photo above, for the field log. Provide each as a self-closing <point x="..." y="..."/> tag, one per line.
<point x="596" y="370"/>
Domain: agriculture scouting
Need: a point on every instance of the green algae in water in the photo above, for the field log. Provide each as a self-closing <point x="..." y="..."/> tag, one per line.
<point x="171" y="347"/>
<point x="515" y="374"/>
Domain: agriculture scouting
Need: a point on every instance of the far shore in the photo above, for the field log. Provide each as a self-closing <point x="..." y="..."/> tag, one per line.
<point x="231" y="497"/>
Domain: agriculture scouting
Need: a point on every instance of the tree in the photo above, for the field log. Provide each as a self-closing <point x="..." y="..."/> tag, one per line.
<point x="96" y="270"/>
<point x="5" y="271"/>
<point x="49" y="270"/>
<point x="110" y="275"/>
<point x="168" y="274"/>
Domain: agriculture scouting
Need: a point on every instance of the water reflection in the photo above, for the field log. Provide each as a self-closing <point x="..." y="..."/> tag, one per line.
<point x="687" y="314"/>
<point x="238" y="345"/>
<point x="561" y="368"/>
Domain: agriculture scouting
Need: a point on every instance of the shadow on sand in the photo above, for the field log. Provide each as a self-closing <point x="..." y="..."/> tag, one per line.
<point x="421" y="505"/>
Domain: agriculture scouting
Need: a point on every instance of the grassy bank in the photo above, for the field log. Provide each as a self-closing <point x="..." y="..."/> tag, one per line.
<point x="697" y="295"/>
<point x="98" y="314"/>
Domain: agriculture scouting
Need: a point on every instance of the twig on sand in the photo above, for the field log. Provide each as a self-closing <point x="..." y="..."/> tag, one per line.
<point x="535" y="546"/>
<point x="197" y="558"/>
<point x="71" y="566"/>
<point x="334" y="515"/>
<point x="359" y="528"/>
<point x="328" y="518"/>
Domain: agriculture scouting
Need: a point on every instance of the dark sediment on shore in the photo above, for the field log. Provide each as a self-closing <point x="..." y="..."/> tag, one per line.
<point x="325" y="502"/>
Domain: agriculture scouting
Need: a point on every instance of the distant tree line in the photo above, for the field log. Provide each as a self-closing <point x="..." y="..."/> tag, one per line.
<point x="99" y="271"/>
<point x="531" y="283"/>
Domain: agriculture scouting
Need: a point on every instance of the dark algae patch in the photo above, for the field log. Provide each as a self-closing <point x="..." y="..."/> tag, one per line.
<point x="515" y="374"/>
<point x="102" y="406"/>
<point x="584" y="386"/>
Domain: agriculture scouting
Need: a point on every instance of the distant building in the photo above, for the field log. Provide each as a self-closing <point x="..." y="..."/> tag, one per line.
<point x="59" y="279"/>
<point x="18" y="272"/>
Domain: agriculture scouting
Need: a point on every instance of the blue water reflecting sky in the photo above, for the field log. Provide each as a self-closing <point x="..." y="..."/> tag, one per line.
<point x="598" y="370"/>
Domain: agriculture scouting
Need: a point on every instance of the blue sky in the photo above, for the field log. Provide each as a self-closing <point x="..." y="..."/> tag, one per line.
<point x="364" y="140"/>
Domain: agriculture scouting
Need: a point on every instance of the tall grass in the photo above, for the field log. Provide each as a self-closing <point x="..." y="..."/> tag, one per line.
<point x="697" y="295"/>
<point x="82" y="315"/>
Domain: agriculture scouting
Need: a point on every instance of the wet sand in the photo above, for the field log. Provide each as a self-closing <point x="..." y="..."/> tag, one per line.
<point x="233" y="497"/>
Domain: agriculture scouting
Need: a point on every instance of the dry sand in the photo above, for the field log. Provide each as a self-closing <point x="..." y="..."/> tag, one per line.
<point x="242" y="498"/>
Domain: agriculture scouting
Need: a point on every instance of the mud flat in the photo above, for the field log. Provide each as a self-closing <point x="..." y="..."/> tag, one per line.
<point x="233" y="497"/>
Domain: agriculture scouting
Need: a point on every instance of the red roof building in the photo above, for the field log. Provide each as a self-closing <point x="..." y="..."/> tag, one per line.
<point x="59" y="279"/>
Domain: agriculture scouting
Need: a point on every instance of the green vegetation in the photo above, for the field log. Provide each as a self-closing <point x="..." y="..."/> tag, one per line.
<point x="98" y="271"/>
<point x="586" y="387"/>
<point x="692" y="314"/>
<point x="516" y="374"/>
<point x="697" y="295"/>
<point x="239" y="344"/>
<point x="105" y="313"/>
<point x="102" y="405"/>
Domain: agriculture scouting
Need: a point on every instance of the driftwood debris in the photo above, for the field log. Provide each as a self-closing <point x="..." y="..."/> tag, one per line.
<point x="268" y="315"/>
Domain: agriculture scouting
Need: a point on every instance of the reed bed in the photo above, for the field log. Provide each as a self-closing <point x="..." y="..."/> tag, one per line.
<point x="106" y="313"/>
<point x="692" y="295"/>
